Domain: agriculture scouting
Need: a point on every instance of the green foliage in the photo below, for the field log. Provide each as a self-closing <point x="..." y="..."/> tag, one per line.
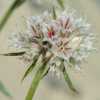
<point x="10" y="10"/>
<point x="54" y="13"/>
<point x="67" y="78"/>
<point x="29" y="70"/>
<point x="4" y="90"/>
<point x="17" y="3"/>
<point x="38" y="76"/>
<point x="61" y="3"/>
<point x="14" y="54"/>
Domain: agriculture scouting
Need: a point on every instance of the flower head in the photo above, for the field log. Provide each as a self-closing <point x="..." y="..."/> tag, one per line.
<point x="60" y="41"/>
<point x="71" y="39"/>
<point x="67" y="37"/>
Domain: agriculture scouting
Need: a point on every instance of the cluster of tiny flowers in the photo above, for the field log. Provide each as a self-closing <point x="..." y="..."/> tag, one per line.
<point x="67" y="37"/>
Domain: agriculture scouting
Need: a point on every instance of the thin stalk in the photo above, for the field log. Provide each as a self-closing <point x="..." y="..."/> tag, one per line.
<point x="61" y="3"/>
<point x="14" y="54"/>
<point x="31" y="67"/>
<point x="8" y="13"/>
<point x="4" y="90"/>
<point x="37" y="79"/>
<point x="34" y="85"/>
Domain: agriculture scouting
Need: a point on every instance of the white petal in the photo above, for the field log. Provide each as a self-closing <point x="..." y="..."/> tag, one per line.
<point x="75" y="42"/>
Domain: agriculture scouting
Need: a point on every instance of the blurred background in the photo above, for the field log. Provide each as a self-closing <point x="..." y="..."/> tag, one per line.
<point x="87" y="81"/>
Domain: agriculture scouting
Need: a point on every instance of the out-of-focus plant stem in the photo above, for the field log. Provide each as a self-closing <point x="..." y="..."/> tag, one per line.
<point x="61" y="3"/>
<point x="10" y="10"/>
<point x="4" y="90"/>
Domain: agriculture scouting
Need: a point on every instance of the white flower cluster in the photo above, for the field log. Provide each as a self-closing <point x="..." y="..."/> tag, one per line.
<point x="66" y="37"/>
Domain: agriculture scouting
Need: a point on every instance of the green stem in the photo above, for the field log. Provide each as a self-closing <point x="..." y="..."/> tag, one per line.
<point x="37" y="78"/>
<point x="61" y="3"/>
<point x="54" y="13"/>
<point x="14" y="54"/>
<point x="4" y="90"/>
<point x="34" y="84"/>
<point x="10" y="10"/>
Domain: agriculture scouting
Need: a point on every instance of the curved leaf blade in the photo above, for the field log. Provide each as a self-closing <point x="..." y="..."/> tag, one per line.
<point x="37" y="78"/>
<point x="67" y="78"/>
<point x="14" y="54"/>
<point x="34" y="84"/>
<point x="9" y="12"/>
<point x="4" y="90"/>
<point x="69" y="82"/>
<point x="29" y="70"/>
<point x="54" y="13"/>
<point x="61" y="3"/>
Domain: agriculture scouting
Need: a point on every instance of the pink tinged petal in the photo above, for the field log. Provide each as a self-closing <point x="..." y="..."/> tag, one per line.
<point x="67" y="22"/>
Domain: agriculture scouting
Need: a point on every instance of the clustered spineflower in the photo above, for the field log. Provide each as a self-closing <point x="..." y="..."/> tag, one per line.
<point x="66" y="37"/>
<point x="60" y="40"/>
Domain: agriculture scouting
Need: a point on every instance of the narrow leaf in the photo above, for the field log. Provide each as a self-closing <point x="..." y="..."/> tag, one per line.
<point x="37" y="79"/>
<point x="14" y="54"/>
<point x="67" y="78"/>
<point x="61" y="3"/>
<point x="9" y="12"/>
<point x="34" y="84"/>
<point x="29" y="70"/>
<point x="69" y="82"/>
<point x="46" y="72"/>
<point x="19" y="2"/>
<point x="54" y="13"/>
<point x="4" y="90"/>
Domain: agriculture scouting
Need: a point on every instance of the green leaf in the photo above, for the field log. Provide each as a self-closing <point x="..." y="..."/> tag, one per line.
<point x="4" y="90"/>
<point x="19" y="2"/>
<point x="36" y="79"/>
<point x="54" y="13"/>
<point x="10" y="10"/>
<point x="61" y="3"/>
<point x="14" y="54"/>
<point x="29" y="70"/>
<point x="34" y="84"/>
<point x="67" y="78"/>
<point x="69" y="82"/>
<point x="46" y="72"/>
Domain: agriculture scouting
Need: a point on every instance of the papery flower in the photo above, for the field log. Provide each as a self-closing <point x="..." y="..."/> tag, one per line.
<point x="67" y="37"/>
<point x="71" y="39"/>
<point x="61" y="41"/>
<point x="10" y="10"/>
<point x="32" y="40"/>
